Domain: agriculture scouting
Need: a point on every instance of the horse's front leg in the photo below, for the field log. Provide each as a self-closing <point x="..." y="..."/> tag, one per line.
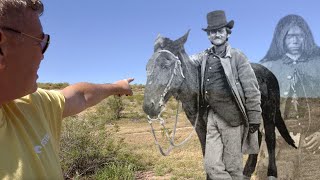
<point x="201" y="130"/>
<point x="252" y="161"/>
<point x="200" y="127"/>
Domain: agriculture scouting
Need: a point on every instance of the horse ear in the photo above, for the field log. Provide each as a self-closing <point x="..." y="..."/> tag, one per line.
<point x="158" y="39"/>
<point x="158" y="43"/>
<point x="180" y="42"/>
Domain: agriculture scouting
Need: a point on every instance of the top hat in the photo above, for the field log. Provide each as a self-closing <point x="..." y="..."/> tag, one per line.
<point x="217" y="20"/>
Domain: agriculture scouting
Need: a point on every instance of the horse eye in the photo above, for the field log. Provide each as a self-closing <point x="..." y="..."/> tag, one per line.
<point x="164" y="66"/>
<point x="165" y="63"/>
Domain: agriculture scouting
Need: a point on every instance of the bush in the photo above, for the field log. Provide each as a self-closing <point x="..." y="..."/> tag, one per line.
<point x="80" y="152"/>
<point x="106" y="112"/>
<point x="89" y="149"/>
<point x="116" y="106"/>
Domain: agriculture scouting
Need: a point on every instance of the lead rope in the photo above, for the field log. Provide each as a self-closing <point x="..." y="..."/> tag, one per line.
<point x="175" y="127"/>
<point x="171" y="139"/>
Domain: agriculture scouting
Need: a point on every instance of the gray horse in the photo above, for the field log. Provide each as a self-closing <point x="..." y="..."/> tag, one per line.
<point x="170" y="72"/>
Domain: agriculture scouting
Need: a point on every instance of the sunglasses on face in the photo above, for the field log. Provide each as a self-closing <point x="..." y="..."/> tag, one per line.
<point x="43" y="42"/>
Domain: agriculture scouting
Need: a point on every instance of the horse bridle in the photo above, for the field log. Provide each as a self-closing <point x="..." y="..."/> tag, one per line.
<point x="162" y="104"/>
<point x="177" y="65"/>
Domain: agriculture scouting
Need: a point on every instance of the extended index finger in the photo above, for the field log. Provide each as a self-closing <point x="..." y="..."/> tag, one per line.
<point x="130" y="80"/>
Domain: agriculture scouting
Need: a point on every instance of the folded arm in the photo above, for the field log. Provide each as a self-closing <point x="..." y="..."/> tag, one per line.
<point x="80" y="96"/>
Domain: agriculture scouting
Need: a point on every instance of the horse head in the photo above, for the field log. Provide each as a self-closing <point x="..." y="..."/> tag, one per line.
<point x="165" y="74"/>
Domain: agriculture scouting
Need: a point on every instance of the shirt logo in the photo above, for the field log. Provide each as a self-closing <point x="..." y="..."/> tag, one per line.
<point x="44" y="141"/>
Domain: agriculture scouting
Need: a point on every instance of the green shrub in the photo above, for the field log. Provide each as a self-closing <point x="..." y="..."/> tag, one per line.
<point x="117" y="171"/>
<point x="91" y="149"/>
<point x="116" y="106"/>
<point x="87" y="148"/>
<point x="80" y="151"/>
<point x="106" y="111"/>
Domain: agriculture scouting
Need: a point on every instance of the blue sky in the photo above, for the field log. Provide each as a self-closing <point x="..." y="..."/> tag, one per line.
<point x="101" y="41"/>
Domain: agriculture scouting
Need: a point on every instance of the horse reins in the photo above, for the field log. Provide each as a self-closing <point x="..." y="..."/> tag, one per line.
<point x="162" y="104"/>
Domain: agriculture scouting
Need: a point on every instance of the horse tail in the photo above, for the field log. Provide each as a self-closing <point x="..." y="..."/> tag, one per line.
<point x="282" y="128"/>
<point x="278" y="120"/>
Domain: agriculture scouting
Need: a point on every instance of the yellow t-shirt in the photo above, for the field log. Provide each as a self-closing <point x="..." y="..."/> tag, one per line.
<point x="30" y="129"/>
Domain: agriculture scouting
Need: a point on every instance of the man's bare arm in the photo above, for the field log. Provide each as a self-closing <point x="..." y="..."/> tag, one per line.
<point x="80" y="96"/>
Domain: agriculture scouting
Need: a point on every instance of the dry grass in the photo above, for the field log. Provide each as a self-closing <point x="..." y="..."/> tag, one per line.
<point x="183" y="162"/>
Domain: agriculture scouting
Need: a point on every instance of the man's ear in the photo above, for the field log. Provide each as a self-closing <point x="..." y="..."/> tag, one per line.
<point x="2" y="42"/>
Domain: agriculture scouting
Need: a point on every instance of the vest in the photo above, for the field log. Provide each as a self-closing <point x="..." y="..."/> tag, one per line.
<point x="218" y="94"/>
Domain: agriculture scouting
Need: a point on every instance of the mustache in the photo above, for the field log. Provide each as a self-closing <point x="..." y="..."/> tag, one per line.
<point x="216" y="38"/>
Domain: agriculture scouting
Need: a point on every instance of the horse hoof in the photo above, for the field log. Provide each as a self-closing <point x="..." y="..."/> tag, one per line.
<point x="272" y="178"/>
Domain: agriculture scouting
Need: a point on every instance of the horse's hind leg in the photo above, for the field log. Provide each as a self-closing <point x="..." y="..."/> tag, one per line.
<point x="251" y="162"/>
<point x="271" y="145"/>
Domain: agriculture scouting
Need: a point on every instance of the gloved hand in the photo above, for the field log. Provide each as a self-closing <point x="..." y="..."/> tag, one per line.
<point x="253" y="127"/>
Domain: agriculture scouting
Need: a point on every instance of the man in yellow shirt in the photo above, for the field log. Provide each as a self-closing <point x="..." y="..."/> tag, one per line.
<point x="30" y="118"/>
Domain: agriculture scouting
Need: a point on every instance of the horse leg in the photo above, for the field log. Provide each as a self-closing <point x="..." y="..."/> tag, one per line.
<point x="252" y="161"/>
<point x="271" y="145"/>
<point x="201" y="130"/>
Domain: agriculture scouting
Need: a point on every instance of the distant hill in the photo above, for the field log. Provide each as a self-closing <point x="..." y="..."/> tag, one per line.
<point x="138" y="87"/>
<point x="53" y="85"/>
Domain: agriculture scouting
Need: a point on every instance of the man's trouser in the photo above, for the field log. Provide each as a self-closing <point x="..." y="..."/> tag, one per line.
<point x="223" y="156"/>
